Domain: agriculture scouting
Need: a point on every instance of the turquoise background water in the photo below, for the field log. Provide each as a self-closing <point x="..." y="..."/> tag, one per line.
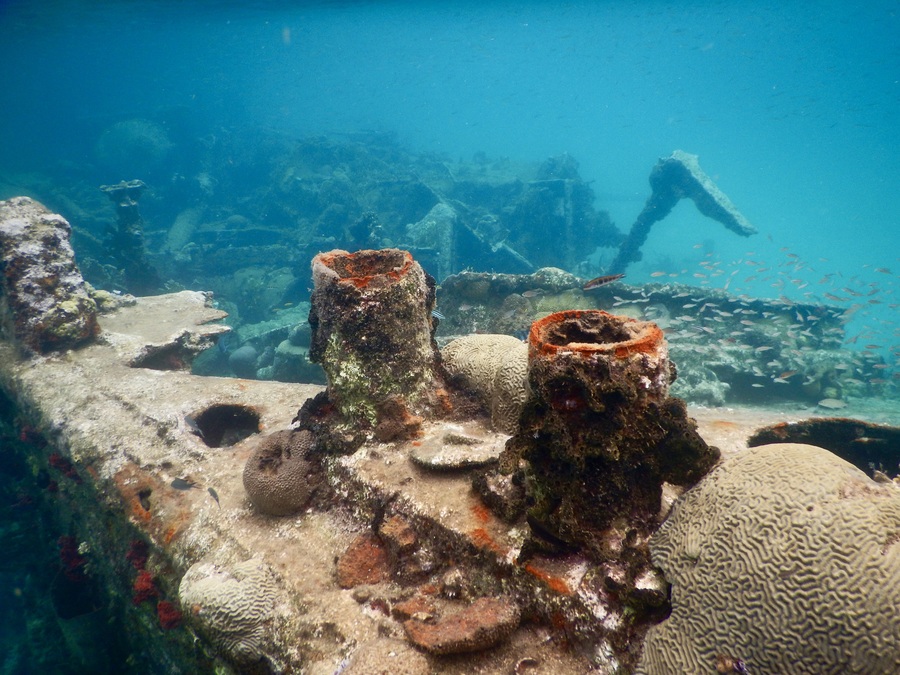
<point x="793" y="107"/>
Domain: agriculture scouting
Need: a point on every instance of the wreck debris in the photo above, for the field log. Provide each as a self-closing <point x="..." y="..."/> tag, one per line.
<point x="599" y="435"/>
<point x="372" y="334"/>
<point x="433" y="234"/>
<point x="125" y="242"/>
<point x="44" y="303"/>
<point x="459" y="446"/>
<point x="674" y="178"/>
<point x="869" y="447"/>
<point x="728" y="347"/>
<point x="223" y="424"/>
<point x="479" y="626"/>
<point x="364" y="562"/>
<point x="557" y="201"/>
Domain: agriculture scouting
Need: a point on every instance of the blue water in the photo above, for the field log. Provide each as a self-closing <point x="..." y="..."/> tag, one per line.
<point x="794" y="111"/>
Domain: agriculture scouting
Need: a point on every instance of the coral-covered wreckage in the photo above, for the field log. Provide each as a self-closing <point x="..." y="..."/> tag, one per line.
<point x="405" y="521"/>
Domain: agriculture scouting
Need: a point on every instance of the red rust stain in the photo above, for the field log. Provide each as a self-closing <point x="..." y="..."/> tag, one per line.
<point x="482" y="539"/>
<point x="780" y="430"/>
<point x="443" y="400"/>
<point x="132" y="483"/>
<point x="170" y="534"/>
<point x="429" y="589"/>
<point x="481" y="512"/>
<point x="561" y="627"/>
<point x="553" y="582"/>
<point x="138" y="512"/>
<point x="176" y="527"/>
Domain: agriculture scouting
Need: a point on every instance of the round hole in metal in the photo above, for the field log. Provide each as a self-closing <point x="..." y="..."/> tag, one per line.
<point x="223" y="424"/>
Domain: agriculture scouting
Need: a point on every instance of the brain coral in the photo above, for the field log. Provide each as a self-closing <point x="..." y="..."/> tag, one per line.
<point x="233" y="607"/>
<point x="278" y="477"/>
<point x="786" y="557"/>
<point x="495" y="367"/>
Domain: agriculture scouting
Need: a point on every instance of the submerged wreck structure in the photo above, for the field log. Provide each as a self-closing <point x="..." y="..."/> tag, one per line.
<point x="674" y="178"/>
<point x="401" y="521"/>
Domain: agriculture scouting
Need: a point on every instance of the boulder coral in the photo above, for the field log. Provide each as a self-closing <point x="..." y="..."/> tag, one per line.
<point x="279" y="478"/>
<point x="785" y="559"/>
<point x="135" y="146"/>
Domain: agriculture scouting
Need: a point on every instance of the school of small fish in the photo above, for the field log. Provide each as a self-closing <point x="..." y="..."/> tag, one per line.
<point x="855" y="312"/>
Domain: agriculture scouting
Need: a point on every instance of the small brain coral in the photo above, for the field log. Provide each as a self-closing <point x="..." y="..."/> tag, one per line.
<point x="233" y="607"/>
<point x="495" y="368"/>
<point x="278" y="477"/>
<point x="787" y="558"/>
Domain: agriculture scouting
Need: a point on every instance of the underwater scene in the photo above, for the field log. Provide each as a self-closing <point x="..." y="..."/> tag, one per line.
<point x="511" y="250"/>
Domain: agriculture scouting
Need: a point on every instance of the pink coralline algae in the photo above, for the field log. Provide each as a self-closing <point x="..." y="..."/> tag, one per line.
<point x="169" y="615"/>
<point x="73" y="562"/>
<point x="144" y="588"/>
